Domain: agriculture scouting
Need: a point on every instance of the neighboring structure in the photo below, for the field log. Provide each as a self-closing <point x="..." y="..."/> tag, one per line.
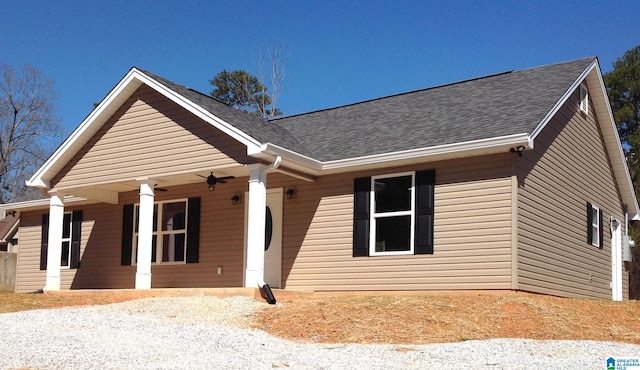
<point x="478" y="185"/>
<point x="9" y="225"/>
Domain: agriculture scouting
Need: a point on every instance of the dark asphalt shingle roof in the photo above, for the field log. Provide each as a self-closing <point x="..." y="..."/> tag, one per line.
<point x="492" y="106"/>
<point x="498" y="105"/>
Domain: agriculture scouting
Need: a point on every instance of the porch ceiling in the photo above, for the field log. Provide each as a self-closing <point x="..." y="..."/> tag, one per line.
<point x="107" y="192"/>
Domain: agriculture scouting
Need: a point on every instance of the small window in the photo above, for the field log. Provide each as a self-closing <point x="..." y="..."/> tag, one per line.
<point x="595" y="226"/>
<point x="392" y="218"/>
<point x="595" y="229"/>
<point x="584" y="99"/>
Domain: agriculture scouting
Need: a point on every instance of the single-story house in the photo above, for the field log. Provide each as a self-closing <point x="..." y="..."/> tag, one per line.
<point x="515" y="182"/>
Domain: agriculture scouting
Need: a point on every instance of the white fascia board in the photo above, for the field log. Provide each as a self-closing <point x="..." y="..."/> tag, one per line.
<point x="301" y="161"/>
<point x="614" y="145"/>
<point x="492" y="145"/>
<point x="38" y="203"/>
<point x="563" y="99"/>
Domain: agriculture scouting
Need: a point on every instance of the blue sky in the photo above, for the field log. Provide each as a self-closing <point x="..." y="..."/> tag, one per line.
<point x="340" y="51"/>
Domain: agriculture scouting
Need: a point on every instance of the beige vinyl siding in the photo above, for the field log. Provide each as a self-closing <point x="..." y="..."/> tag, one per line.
<point x="221" y="244"/>
<point x="568" y="168"/>
<point x="152" y="136"/>
<point x="29" y="278"/>
<point x="472" y="234"/>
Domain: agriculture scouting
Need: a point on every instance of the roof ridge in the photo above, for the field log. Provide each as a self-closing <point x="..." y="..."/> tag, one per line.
<point x="430" y="88"/>
<point x="171" y="82"/>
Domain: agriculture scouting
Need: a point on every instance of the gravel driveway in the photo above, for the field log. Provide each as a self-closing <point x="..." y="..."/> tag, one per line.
<point x="213" y="333"/>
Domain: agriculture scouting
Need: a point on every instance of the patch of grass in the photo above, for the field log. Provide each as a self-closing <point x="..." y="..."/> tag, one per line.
<point x="13" y="302"/>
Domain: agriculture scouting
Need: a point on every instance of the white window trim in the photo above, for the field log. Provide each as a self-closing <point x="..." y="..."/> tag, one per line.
<point x="373" y="216"/>
<point x="584" y="98"/>
<point x="69" y="239"/>
<point x="595" y="229"/>
<point x="160" y="233"/>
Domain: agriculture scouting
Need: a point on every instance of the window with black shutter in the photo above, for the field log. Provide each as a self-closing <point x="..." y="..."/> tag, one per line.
<point x="175" y="235"/>
<point x="71" y="237"/>
<point x="394" y="214"/>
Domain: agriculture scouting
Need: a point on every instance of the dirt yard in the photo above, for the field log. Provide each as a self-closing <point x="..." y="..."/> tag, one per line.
<point x="413" y="319"/>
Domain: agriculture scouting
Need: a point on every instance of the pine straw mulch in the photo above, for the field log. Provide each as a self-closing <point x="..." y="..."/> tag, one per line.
<point x="410" y="319"/>
<point x="424" y="319"/>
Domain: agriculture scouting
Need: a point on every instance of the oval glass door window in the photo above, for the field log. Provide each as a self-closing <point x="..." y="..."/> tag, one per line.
<point x="268" y="229"/>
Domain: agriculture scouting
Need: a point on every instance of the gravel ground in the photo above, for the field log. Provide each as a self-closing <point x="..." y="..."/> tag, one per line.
<point x="214" y="333"/>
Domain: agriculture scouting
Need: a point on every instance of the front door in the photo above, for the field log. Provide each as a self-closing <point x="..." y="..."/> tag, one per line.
<point x="273" y="238"/>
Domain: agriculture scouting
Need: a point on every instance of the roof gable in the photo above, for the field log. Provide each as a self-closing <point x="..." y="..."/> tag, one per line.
<point x="247" y="129"/>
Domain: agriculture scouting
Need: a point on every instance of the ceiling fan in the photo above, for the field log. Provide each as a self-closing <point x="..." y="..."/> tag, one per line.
<point x="213" y="180"/>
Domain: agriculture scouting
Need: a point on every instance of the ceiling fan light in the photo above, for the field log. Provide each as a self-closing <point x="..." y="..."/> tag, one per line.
<point x="211" y="182"/>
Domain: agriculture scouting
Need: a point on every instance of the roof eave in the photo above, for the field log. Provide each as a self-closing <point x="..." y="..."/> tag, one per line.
<point x="442" y="152"/>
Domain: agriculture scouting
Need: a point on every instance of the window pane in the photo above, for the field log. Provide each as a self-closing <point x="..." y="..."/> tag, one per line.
<point x="392" y="194"/>
<point x="154" y="247"/>
<point x="393" y="234"/>
<point x="66" y="226"/>
<point x="595" y="217"/>
<point x="173" y="248"/>
<point x="173" y="216"/>
<point x="64" y="260"/>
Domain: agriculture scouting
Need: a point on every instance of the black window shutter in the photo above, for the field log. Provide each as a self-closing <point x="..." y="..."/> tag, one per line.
<point x="44" y="243"/>
<point x="193" y="230"/>
<point x="76" y="227"/>
<point x="127" y="235"/>
<point x="361" y="217"/>
<point x="589" y="223"/>
<point x="425" y="190"/>
<point x="600" y="231"/>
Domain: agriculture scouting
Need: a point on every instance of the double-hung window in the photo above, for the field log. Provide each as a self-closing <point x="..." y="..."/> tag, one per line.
<point x="70" y="246"/>
<point x="175" y="235"/>
<point x="168" y="243"/>
<point x="392" y="214"/>
<point x="595" y="229"/>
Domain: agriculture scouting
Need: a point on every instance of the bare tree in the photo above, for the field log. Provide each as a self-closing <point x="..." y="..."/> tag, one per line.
<point x="272" y="65"/>
<point x="29" y="128"/>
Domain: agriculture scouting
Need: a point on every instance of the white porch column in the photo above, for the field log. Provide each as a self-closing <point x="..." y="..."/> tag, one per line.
<point x="145" y="234"/>
<point x="254" y="274"/>
<point x="54" y="242"/>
